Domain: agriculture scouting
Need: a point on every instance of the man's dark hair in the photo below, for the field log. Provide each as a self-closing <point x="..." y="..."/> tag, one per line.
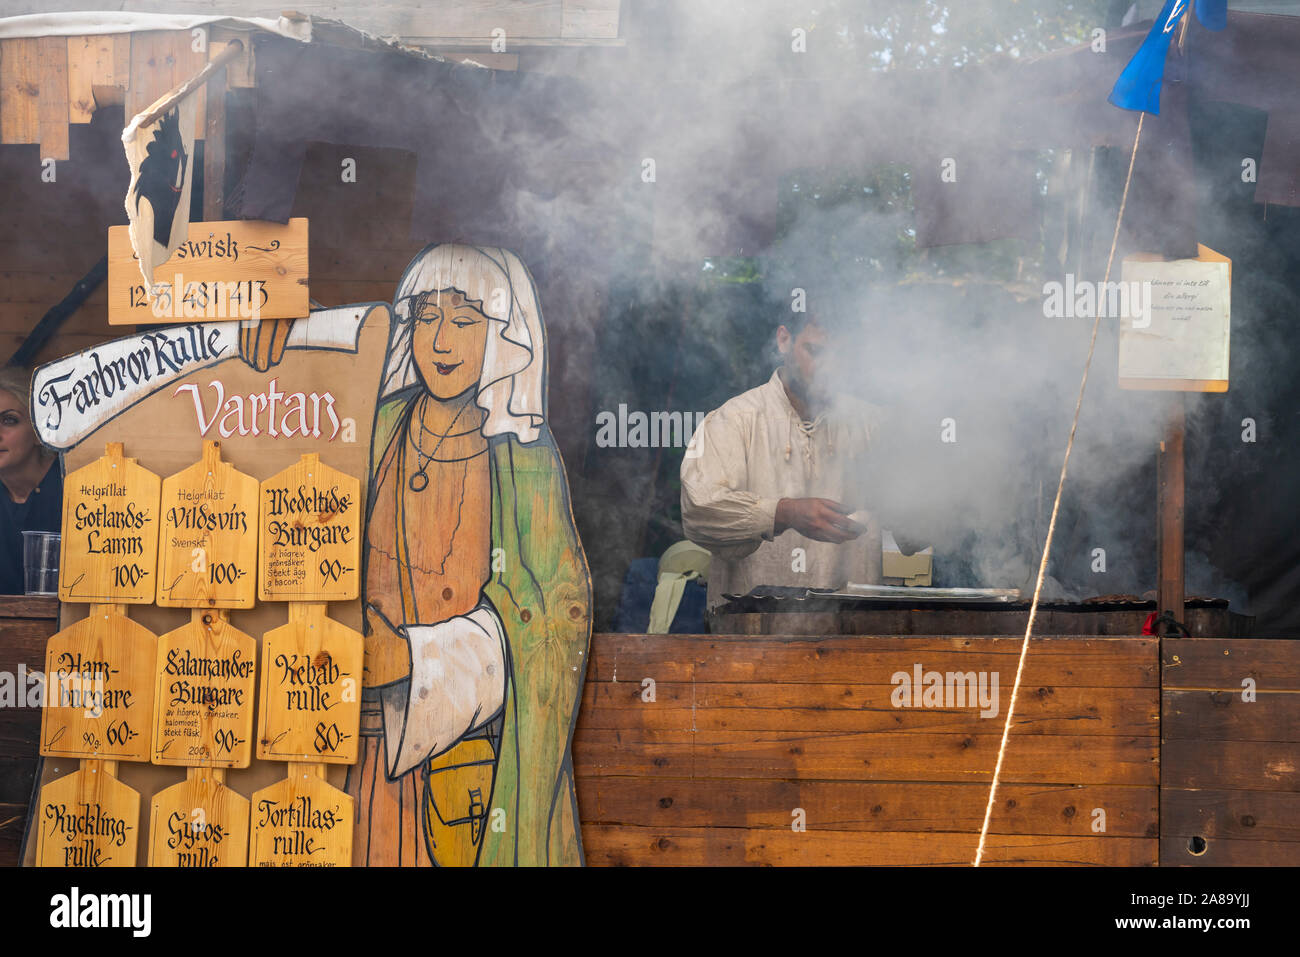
<point x="834" y="314"/>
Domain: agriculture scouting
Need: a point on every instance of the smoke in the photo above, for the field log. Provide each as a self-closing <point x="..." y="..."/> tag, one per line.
<point x="692" y="142"/>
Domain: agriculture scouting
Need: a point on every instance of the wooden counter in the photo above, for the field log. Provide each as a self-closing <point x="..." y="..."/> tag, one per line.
<point x="746" y="738"/>
<point x="1204" y="617"/>
<point x="778" y="750"/>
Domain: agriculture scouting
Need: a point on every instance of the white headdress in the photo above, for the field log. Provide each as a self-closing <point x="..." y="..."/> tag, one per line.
<point x="511" y="386"/>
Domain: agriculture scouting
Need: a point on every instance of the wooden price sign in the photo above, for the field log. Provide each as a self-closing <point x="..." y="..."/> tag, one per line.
<point x="110" y="532"/>
<point x="311" y="683"/>
<point x="203" y="709"/>
<point x="208" y="547"/>
<point x="99" y="688"/>
<point x="224" y="270"/>
<point x="87" y="819"/>
<point x="310" y="548"/>
<point x="199" y="823"/>
<point x="302" y="821"/>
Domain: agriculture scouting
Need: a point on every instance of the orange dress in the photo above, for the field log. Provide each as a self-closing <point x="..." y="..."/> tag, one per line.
<point x="427" y="560"/>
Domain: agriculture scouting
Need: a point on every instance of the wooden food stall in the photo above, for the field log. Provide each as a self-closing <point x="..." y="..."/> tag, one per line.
<point x="289" y="610"/>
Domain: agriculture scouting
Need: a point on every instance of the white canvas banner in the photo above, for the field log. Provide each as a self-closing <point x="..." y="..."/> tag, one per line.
<point x="73" y="396"/>
<point x="161" y="157"/>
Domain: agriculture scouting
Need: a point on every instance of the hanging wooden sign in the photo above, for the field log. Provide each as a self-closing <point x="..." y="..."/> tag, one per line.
<point x="99" y="689"/>
<point x="310" y="708"/>
<point x="110" y="532"/>
<point x="203" y="709"/>
<point x="302" y="821"/>
<point x="87" y="819"/>
<point x="310" y="535"/>
<point x="241" y="269"/>
<point x="199" y="823"/>
<point x="1179" y="341"/>
<point x="208" y="548"/>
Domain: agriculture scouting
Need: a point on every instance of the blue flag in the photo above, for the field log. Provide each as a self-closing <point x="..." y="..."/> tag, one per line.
<point x="1138" y="87"/>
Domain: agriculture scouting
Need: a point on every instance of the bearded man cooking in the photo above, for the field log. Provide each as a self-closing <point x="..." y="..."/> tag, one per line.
<point x="771" y="480"/>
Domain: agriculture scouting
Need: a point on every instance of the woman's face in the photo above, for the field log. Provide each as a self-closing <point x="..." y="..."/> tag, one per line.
<point x="448" y="342"/>
<point x="17" y="437"/>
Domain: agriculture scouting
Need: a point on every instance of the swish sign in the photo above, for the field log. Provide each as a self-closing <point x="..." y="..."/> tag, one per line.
<point x="76" y="395"/>
<point x="226" y="270"/>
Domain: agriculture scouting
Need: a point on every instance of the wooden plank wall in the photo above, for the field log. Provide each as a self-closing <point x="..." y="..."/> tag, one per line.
<point x="63" y="98"/>
<point x="359" y="231"/>
<point x="25" y="624"/>
<point x="1230" y="772"/>
<point x="743" y="731"/>
<point x="47" y="83"/>
<point x="52" y="234"/>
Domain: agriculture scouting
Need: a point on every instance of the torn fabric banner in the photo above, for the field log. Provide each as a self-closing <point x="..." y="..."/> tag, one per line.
<point x="161" y="158"/>
<point x="1138" y="87"/>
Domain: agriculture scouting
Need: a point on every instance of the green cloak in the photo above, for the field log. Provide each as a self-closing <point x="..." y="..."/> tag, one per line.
<point x="540" y="587"/>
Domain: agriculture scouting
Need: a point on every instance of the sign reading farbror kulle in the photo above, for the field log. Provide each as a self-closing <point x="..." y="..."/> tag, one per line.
<point x="310" y="547"/>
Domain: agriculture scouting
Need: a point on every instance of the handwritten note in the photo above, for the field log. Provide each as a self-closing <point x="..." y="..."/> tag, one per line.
<point x="1182" y="340"/>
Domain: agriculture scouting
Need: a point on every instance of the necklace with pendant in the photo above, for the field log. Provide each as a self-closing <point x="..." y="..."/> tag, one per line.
<point x="420" y="480"/>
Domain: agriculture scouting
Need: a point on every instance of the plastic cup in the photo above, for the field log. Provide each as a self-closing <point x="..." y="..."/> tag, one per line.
<point x="41" y="562"/>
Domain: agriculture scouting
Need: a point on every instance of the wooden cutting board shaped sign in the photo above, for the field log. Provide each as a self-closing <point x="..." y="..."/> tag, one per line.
<point x="87" y="819"/>
<point x="310" y="545"/>
<point x="99" y="688"/>
<point x="302" y="821"/>
<point x="208" y="549"/>
<point x="311" y="689"/>
<point x="203" y="707"/>
<point x="110" y="532"/>
<point x="199" y="823"/>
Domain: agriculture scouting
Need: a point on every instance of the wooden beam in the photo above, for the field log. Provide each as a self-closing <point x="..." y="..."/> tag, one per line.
<point x="19" y="89"/>
<point x="214" y="143"/>
<point x="239" y="72"/>
<point x="590" y="19"/>
<point x="1171" y="500"/>
<point x="114" y="94"/>
<point x="52" y="105"/>
<point x="91" y="63"/>
<point x="50" y="322"/>
<point x="493" y="61"/>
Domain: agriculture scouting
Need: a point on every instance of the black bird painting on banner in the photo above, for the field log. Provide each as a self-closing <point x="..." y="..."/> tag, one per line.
<point x="162" y="171"/>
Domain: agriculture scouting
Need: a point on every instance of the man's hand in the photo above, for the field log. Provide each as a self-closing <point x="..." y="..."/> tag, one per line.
<point x="818" y="518"/>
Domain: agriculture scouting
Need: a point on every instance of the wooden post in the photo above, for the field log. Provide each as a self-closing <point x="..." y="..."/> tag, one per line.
<point x="214" y="150"/>
<point x="1169" y="523"/>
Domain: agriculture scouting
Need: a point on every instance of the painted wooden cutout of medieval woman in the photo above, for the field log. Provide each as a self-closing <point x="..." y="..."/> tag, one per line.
<point x="477" y="592"/>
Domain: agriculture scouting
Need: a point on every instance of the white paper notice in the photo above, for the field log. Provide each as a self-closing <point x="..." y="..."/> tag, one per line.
<point x="1183" y="335"/>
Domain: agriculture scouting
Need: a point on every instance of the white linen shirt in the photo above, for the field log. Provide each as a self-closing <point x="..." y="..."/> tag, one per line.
<point x="751" y="453"/>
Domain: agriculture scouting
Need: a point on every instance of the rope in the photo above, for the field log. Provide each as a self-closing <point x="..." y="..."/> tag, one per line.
<point x="1056" y="507"/>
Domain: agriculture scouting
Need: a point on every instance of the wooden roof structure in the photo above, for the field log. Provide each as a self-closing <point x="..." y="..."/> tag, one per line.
<point x="50" y="82"/>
